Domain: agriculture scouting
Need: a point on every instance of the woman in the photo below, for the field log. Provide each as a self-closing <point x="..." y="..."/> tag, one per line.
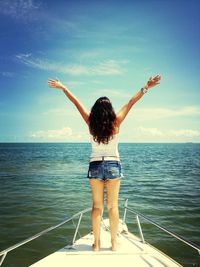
<point x="105" y="167"/>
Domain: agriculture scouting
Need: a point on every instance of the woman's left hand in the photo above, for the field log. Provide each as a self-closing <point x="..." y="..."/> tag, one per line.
<point x="153" y="81"/>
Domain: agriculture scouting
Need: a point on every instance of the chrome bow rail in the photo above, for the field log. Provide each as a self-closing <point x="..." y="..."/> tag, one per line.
<point x="79" y="215"/>
<point x="139" y="215"/>
<point x="3" y="253"/>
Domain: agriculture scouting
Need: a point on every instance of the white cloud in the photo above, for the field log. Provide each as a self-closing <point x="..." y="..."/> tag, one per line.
<point x="89" y="54"/>
<point x="185" y="132"/>
<point x="59" y="25"/>
<point x="109" y="67"/>
<point x="18" y="8"/>
<point x="27" y="59"/>
<point x="56" y="111"/>
<point x="168" y="133"/>
<point x="52" y="134"/>
<point x="185" y="111"/>
<point x="112" y="93"/>
<point x="150" y="131"/>
<point x="59" y="135"/>
<point x="160" y="113"/>
<point x="7" y="74"/>
<point x="60" y="113"/>
<point x="74" y="83"/>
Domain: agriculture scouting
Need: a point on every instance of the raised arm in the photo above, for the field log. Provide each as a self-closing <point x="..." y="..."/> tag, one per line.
<point x="57" y="84"/>
<point x="126" y="108"/>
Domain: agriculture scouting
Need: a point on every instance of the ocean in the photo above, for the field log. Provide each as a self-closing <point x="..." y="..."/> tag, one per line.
<point x="42" y="184"/>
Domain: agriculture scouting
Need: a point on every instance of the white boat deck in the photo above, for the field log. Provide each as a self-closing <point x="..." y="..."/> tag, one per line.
<point x="131" y="252"/>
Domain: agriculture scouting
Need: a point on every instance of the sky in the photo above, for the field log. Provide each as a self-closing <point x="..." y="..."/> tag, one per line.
<point x="99" y="48"/>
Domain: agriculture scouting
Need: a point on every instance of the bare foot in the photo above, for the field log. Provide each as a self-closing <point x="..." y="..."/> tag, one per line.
<point x="114" y="245"/>
<point x="96" y="246"/>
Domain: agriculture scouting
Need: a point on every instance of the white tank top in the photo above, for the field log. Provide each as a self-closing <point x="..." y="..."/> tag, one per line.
<point x="105" y="150"/>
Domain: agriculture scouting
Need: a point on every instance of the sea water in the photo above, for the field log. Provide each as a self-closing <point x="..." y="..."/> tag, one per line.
<point x="42" y="184"/>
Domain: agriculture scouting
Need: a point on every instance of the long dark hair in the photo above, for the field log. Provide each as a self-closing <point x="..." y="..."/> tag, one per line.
<point x="102" y="120"/>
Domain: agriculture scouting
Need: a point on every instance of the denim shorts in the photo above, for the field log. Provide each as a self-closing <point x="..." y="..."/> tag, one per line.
<point x="105" y="170"/>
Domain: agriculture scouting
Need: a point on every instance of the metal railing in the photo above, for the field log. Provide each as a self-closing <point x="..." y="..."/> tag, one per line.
<point x="4" y="252"/>
<point x="139" y="215"/>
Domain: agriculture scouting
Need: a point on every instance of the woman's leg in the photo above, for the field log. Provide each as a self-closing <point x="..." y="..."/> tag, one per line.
<point x="112" y="187"/>
<point x="97" y="187"/>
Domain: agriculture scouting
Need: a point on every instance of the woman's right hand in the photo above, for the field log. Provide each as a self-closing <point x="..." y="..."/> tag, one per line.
<point x="153" y="81"/>
<point x="55" y="84"/>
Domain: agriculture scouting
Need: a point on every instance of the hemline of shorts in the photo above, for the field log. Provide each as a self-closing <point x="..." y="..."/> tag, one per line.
<point x="105" y="170"/>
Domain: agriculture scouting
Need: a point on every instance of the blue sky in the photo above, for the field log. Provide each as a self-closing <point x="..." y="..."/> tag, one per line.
<point x="99" y="48"/>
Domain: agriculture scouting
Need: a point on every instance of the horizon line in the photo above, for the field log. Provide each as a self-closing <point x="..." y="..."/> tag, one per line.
<point x="83" y="142"/>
